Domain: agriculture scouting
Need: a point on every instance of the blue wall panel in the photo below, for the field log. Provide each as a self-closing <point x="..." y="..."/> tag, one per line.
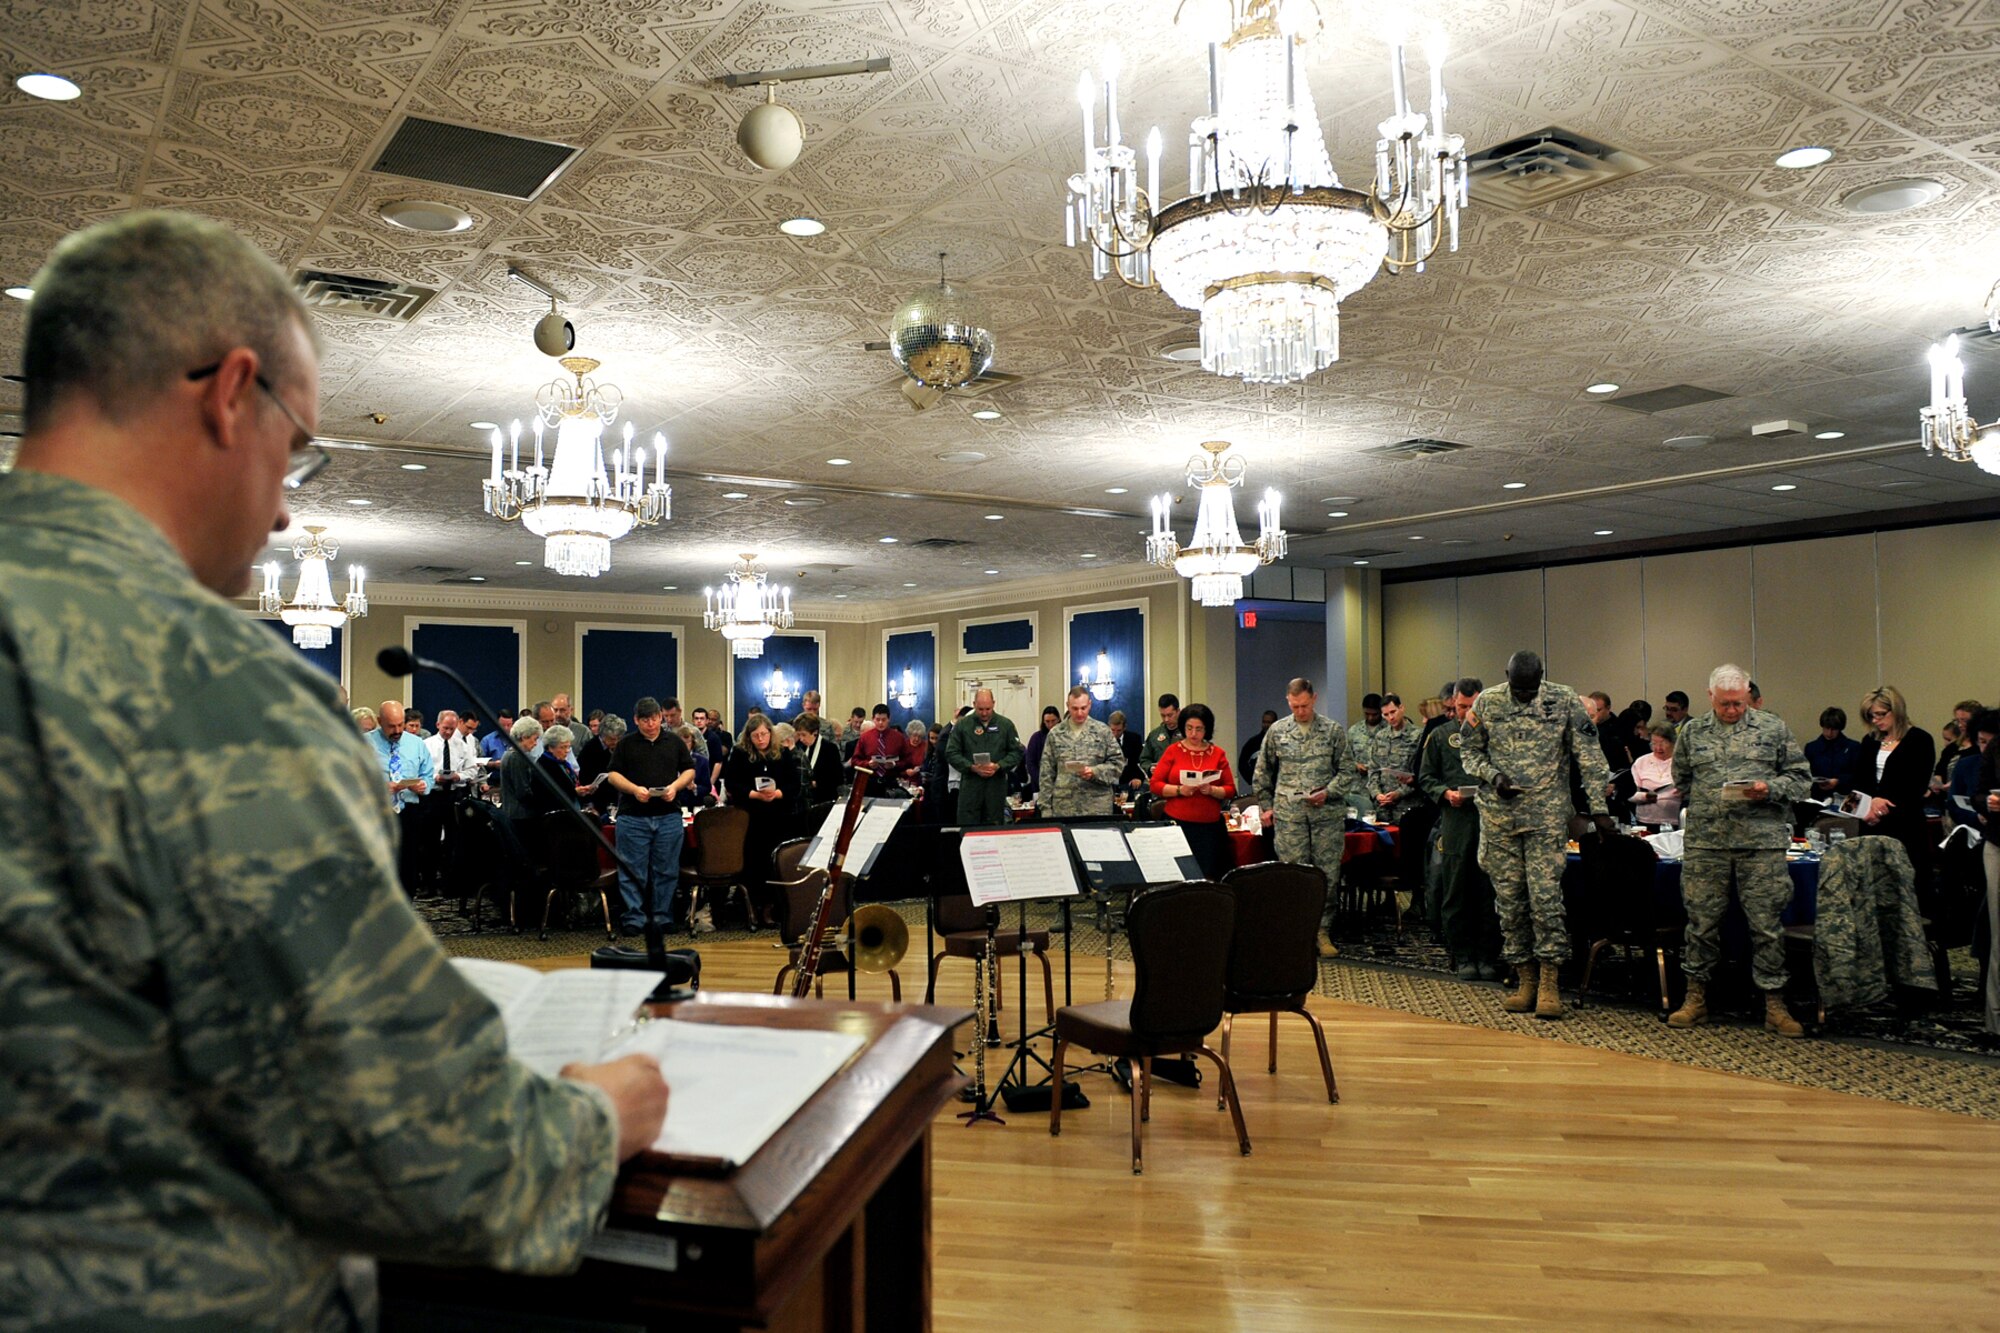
<point x="1000" y="636"/>
<point x="915" y="649"/>
<point x="797" y="655"/>
<point x="1122" y="636"/>
<point x="621" y="666"/>
<point x="488" y="656"/>
<point x="327" y="659"/>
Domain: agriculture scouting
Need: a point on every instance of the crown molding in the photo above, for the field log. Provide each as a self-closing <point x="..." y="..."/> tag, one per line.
<point x="999" y="596"/>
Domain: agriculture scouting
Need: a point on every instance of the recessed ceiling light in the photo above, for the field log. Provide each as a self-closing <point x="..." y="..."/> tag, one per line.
<point x="888" y="541"/>
<point x="484" y="425"/>
<point x="992" y="571"/>
<point x="670" y="587"/>
<point x="48" y="87"/>
<point x="804" y="501"/>
<point x="21" y="293"/>
<point x="426" y="215"/>
<point x="1606" y="387"/>
<point x="840" y="597"/>
<point x="1513" y="485"/>
<point x="839" y="462"/>
<point x="1454" y="541"/>
<point x="1416" y="537"/>
<point x="962" y="456"/>
<point x="416" y="467"/>
<point x="994" y="518"/>
<point x="476" y="578"/>
<point x="1360" y="562"/>
<point x="1890" y="485"/>
<point x="1114" y="490"/>
<point x="1798" y="159"/>
<point x="1336" y="513"/>
<point x="1090" y="555"/>
<point x="1784" y="486"/>
<point x="986" y="414"/>
<point x="524" y="562"/>
<point x="1601" y="532"/>
<point x="909" y="585"/>
<point x="361" y="504"/>
<point x="1893" y="196"/>
<point x="1182" y="350"/>
<point x="1831" y="435"/>
<point x="735" y="495"/>
<point x="802" y="226"/>
<point x="1338" y="500"/>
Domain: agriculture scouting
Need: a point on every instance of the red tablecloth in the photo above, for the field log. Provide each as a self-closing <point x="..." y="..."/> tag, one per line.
<point x="1249" y="848"/>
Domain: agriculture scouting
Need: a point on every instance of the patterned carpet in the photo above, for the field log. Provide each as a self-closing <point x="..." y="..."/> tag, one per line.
<point x="1929" y="1060"/>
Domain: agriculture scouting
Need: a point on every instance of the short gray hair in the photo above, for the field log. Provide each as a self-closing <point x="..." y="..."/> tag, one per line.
<point x="525" y="729"/>
<point x="557" y="735"/>
<point x="124" y="309"/>
<point x="611" y="727"/>
<point x="1728" y="676"/>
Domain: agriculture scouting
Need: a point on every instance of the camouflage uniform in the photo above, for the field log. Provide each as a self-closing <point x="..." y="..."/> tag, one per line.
<point x="1361" y="743"/>
<point x="232" y="1051"/>
<point x="1521" y="840"/>
<point x="1092" y="743"/>
<point x="983" y="801"/>
<point x="1746" y="837"/>
<point x="1464" y="894"/>
<point x="1390" y="752"/>
<point x="1157" y="741"/>
<point x="1295" y="762"/>
<point x="1868" y="931"/>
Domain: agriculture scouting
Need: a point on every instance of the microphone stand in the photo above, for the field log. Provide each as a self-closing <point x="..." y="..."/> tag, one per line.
<point x="397" y="661"/>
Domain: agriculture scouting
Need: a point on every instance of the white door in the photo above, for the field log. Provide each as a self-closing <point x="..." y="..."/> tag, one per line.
<point x="1016" y="695"/>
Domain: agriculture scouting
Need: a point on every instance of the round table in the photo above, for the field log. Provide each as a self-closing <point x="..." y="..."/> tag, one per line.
<point x="1249" y="847"/>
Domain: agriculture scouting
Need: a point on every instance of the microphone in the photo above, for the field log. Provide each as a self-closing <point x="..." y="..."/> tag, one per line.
<point x="396" y="660"/>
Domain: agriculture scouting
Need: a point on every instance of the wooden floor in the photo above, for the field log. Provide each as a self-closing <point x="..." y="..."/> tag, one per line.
<point x="1467" y="1178"/>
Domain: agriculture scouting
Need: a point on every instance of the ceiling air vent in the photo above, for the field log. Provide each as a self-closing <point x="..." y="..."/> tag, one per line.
<point x="1369" y="553"/>
<point x="1547" y="164"/>
<point x="438" y="571"/>
<point x="1665" y="400"/>
<point x="345" y="294"/>
<point x="938" y="544"/>
<point x="431" y="150"/>
<point x="1420" y="447"/>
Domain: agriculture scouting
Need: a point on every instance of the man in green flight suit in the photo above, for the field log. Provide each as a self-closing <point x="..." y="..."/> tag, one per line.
<point x="1470" y="928"/>
<point x="1160" y="737"/>
<point x="1302" y="782"/>
<point x="234" y="1054"/>
<point x="982" y="748"/>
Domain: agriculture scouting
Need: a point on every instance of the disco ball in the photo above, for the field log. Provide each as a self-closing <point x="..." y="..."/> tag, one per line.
<point x="940" y="339"/>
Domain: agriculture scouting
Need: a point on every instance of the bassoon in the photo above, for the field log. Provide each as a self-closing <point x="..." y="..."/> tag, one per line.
<point x="814" y="942"/>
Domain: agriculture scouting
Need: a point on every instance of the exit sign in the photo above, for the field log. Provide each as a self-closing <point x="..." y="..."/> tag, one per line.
<point x="1247" y="619"/>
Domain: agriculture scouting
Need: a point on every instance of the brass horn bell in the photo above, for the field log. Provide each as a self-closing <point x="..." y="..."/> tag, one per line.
<point x="881" y="938"/>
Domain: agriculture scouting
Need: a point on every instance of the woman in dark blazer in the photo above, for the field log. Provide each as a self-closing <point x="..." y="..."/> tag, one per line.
<point x="762" y="778"/>
<point x="821" y="758"/>
<point x="1895" y="771"/>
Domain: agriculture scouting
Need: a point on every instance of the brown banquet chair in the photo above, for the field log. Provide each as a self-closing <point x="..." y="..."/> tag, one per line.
<point x="1274" y="954"/>
<point x="1180" y="936"/>
<point x="962" y="925"/>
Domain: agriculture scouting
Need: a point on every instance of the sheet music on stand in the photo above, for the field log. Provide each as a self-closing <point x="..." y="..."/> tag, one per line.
<point x="1005" y="865"/>
<point x="1163" y="853"/>
<point x="879" y="818"/>
<point x="1106" y="859"/>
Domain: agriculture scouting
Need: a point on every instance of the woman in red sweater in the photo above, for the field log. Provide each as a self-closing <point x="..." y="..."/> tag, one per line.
<point x="1197" y="807"/>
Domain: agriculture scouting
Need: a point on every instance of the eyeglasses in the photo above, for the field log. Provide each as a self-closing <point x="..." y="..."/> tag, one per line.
<point x="307" y="457"/>
<point x="1878" y="713"/>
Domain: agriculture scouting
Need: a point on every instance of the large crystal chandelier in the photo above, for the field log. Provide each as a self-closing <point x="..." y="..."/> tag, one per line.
<point x="312" y="613"/>
<point x="1216" y="557"/>
<point x="579" y="501"/>
<point x="1267" y="242"/>
<point x="747" y="610"/>
<point x="1101" y="684"/>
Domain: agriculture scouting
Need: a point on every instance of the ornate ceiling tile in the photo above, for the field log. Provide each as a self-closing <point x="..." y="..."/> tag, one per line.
<point x="344" y="52"/>
<point x="183" y="176"/>
<point x="556" y="90"/>
<point x="637" y="37"/>
<point x="65" y="32"/>
<point x="267" y="119"/>
<point x="50" y="154"/>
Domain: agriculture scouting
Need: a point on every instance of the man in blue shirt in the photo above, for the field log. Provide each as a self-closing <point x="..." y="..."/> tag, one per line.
<point x="494" y="744"/>
<point x="1834" y="758"/>
<point x="406" y="762"/>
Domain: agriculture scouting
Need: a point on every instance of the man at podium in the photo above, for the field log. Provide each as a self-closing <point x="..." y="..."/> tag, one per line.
<point x="233" y="1053"/>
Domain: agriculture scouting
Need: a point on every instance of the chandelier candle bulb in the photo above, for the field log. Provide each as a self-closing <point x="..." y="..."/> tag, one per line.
<point x="538" y="443"/>
<point x="1153" y="166"/>
<point x="514" y="456"/>
<point x="1434" y="49"/>
<point x="1111" y="138"/>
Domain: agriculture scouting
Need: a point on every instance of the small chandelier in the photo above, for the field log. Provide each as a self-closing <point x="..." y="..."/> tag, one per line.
<point x="312" y="612"/>
<point x="1267" y="242"/>
<point x="779" y="692"/>
<point x="576" y="502"/>
<point x="1947" y="426"/>
<point x="904" y="691"/>
<point x="1102" y="686"/>
<point x="939" y="337"/>
<point x="747" y="610"/>
<point x="1215" y="558"/>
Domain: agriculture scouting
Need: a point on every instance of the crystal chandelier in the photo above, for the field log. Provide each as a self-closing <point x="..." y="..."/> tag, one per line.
<point x="779" y="692"/>
<point x="904" y="691"/>
<point x="1215" y="558"/>
<point x="1267" y="242"/>
<point x="312" y="612"/>
<point x="1102" y="685"/>
<point x="747" y="610"/>
<point x="1947" y="426"/>
<point x="575" y="501"/>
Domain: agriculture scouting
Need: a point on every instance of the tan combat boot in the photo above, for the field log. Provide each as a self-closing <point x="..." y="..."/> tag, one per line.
<point x="1523" y="998"/>
<point x="1779" y="1019"/>
<point x="1549" y="999"/>
<point x="1694" y="1009"/>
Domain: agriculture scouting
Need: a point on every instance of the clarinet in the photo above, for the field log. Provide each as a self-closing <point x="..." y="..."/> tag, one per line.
<point x="814" y="942"/>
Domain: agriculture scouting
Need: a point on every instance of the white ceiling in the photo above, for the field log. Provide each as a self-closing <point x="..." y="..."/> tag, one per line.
<point x="1713" y="267"/>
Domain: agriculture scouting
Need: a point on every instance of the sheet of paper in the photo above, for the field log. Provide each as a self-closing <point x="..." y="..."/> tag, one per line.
<point x="1014" y="865"/>
<point x="553" y="1018"/>
<point x="1155" y="847"/>
<point x="730" y="1087"/>
<point x="1097" y="844"/>
<point x="878" y="820"/>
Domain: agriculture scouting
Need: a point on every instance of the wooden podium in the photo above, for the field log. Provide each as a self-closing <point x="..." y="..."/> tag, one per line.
<point x="826" y="1227"/>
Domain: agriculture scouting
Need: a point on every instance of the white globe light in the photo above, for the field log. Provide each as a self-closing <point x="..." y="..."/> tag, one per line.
<point x="771" y="136"/>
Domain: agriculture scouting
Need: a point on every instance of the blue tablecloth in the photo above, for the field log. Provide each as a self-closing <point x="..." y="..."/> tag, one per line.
<point x="1801" y="911"/>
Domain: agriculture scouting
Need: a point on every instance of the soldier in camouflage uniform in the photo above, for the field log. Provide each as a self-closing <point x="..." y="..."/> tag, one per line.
<point x="1523" y="739"/>
<point x="1739" y="770"/>
<point x="1392" y="750"/>
<point x="1470" y="929"/>
<point x="1079" y="739"/>
<point x="1361" y="736"/>
<point x="1302" y="783"/>
<point x="232" y="1051"/>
